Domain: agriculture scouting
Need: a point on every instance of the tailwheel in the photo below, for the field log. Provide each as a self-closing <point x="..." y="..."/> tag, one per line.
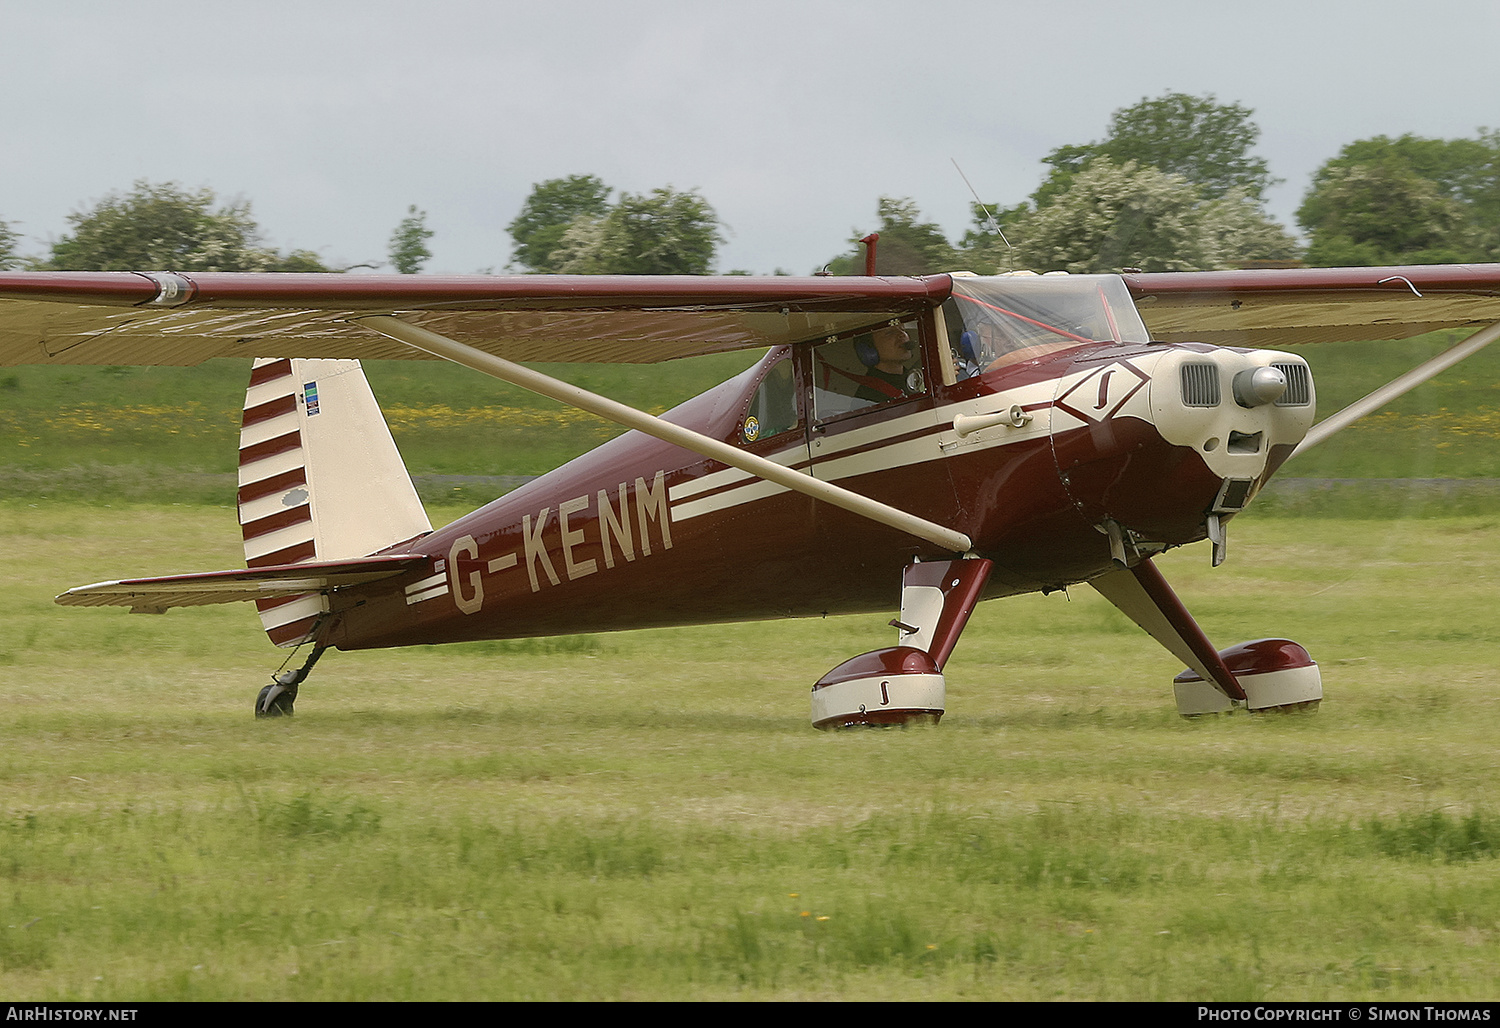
<point x="278" y="698"/>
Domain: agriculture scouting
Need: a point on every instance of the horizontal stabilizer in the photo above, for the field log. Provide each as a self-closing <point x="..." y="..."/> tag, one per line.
<point x="155" y="595"/>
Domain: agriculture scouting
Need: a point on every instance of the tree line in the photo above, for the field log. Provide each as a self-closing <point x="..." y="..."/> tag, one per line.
<point x="164" y="226"/>
<point x="1173" y="185"/>
<point x="566" y="226"/>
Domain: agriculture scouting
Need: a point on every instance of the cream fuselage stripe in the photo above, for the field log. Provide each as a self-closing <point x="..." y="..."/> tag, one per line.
<point x="899" y="442"/>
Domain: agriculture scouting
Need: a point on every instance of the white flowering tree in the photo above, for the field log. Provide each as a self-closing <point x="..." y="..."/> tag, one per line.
<point x="664" y="232"/>
<point x="1113" y="216"/>
<point x="549" y="213"/>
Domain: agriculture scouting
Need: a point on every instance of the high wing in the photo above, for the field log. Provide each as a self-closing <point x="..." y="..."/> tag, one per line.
<point x="489" y="323"/>
<point x="170" y="318"/>
<point x="1288" y="307"/>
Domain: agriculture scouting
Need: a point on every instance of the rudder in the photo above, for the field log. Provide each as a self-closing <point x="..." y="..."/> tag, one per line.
<point x="319" y="478"/>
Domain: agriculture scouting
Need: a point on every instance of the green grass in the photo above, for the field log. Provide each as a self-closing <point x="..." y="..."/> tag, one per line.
<point x="154" y="434"/>
<point x="648" y="815"/>
<point x="158" y="432"/>
<point x="1448" y="427"/>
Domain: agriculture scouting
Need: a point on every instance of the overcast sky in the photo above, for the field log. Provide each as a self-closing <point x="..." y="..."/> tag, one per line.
<point x="791" y="118"/>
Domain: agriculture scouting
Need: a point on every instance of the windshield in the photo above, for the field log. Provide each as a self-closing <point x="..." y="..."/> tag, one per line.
<point x="1006" y="319"/>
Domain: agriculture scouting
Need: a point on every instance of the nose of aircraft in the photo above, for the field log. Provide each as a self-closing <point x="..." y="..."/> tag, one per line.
<point x="1162" y="440"/>
<point x="1256" y="386"/>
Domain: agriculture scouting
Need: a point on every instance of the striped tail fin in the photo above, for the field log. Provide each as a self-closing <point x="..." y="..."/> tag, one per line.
<point x="320" y="478"/>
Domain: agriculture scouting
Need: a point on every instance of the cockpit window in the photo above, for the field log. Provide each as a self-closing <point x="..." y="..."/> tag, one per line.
<point x="874" y="367"/>
<point x="1013" y="318"/>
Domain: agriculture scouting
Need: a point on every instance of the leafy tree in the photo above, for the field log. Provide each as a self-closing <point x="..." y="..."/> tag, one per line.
<point x="1205" y="142"/>
<point x="986" y="247"/>
<point x="665" y="232"/>
<point x="907" y="246"/>
<point x="305" y="260"/>
<point x="160" y="226"/>
<point x="408" y="247"/>
<point x="1406" y="201"/>
<point x="1171" y="186"/>
<point x="1113" y="216"/>
<point x="1464" y="170"/>
<point x="8" y="240"/>
<point x="548" y="213"/>
<point x="1381" y="214"/>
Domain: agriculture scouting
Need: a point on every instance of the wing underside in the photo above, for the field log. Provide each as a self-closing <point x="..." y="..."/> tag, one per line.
<point x="128" y="318"/>
<point x="164" y="318"/>
<point x="1289" y="307"/>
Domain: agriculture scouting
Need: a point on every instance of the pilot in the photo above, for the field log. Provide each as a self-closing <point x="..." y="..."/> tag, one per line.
<point x="884" y="355"/>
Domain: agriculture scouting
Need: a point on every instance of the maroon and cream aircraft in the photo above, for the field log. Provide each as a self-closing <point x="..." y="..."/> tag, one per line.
<point x="921" y="443"/>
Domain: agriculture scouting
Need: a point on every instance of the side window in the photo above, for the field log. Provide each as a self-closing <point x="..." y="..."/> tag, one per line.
<point x="773" y="408"/>
<point x="870" y="368"/>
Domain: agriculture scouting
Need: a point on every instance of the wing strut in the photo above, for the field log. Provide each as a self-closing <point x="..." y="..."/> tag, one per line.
<point x="705" y="446"/>
<point x="1398" y="387"/>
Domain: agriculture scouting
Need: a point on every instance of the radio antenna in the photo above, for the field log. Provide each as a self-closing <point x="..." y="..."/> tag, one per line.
<point x="993" y="223"/>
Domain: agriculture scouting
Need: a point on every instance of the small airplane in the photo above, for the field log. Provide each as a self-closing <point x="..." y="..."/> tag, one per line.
<point x="966" y="437"/>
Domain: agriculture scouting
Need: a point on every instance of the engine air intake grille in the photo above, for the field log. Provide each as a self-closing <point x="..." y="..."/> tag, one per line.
<point x="1200" y="385"/>
<point x="1298" y="385"/>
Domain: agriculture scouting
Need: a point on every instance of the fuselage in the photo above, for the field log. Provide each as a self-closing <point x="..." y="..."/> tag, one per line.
<point x="1033" y="415"/>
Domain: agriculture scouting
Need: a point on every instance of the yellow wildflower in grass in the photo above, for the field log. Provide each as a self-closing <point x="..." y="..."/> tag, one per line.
<point x="189" y="419"/>
<point x="1482" y="422"/>
<point x="438" y="416"/>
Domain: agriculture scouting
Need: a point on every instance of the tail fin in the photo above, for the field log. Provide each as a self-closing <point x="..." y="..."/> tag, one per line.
<point x="320" y="478"/>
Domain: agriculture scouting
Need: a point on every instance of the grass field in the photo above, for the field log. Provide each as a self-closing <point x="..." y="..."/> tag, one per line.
<point x="162" y="433"/>
<point x="649" y="815"/>
<point x="142" y="433"/>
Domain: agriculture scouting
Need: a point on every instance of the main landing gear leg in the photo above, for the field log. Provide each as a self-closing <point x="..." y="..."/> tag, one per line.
<point x="276" y="699"/>
<point x="1266" y="674"/>
<point x="903" y="684"/>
